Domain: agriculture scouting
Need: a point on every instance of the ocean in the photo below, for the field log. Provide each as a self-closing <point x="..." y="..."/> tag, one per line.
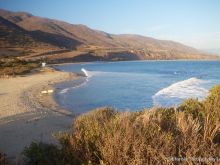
<point x="136" y="85"/>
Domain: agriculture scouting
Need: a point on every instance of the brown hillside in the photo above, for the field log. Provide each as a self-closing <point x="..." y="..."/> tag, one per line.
<point x="99" y="45"/>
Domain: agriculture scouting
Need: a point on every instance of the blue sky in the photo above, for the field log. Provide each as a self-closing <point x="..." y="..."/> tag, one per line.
<point x="193" y="22"/>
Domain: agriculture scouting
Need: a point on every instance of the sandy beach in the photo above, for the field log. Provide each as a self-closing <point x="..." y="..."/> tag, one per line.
<point x="26" y="114"/>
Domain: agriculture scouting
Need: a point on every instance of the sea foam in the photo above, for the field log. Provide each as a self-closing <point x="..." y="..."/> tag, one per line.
<point x="177" y="92"/>
<point x="87" y="73"/>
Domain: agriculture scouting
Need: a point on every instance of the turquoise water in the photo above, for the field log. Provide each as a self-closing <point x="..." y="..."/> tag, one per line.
<point x="136" y="85"/>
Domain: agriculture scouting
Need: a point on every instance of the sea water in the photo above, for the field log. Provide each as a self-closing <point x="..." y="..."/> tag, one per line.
<point x="133" y="86"/>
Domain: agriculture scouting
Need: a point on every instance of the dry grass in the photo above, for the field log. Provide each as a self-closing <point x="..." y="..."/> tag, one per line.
<point x="142" y="138"/>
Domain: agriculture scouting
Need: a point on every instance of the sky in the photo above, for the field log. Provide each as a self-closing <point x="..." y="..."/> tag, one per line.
<point x="192" y="22"/>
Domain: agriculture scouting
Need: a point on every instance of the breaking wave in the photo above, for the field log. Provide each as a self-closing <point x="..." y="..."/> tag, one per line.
<point x="90" y="74"/>
<point x="177" y="92"/>
<point x="87" y="73"/>
<point x="65" y="90"/>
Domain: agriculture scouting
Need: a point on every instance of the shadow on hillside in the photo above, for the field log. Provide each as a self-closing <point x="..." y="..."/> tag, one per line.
<point x="122" y="56"/>
<point x="56" y="40"/>
<point x="87" y="57"/>
<point x="52" y="53"/>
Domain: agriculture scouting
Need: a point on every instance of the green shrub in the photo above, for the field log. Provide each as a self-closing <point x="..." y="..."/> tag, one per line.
<point x="192" y="107"/>
<point x="212" y="102"/>
<point x="39" y="153"/>
<point x="168" y="117"/>
<point x="212" y="113"/>
<point x="42" y="154"/>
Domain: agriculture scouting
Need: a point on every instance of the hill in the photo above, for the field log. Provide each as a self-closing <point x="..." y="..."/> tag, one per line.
<point x="61" y="41"/>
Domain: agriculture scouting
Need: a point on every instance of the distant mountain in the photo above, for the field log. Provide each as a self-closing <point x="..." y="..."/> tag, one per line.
<point x="61" y="41"/>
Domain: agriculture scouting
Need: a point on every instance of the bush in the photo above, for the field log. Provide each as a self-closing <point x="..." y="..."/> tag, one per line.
<point x="212" y="113"/>
<point x="14" y="66"/>
<point x="168" y="117"/>
<point x="125" y="138"/>
<point x="212" y="102"/>
<point x="87" y="130"/>
<point x="39" y="153"/>
<point x="42" y="154"/>
<point x="192" y="107"/>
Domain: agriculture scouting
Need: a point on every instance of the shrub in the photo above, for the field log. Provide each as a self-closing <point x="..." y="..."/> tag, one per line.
<point x="87" y="130"/>
<point x="14" y="66"/>
<point x="212" y="102"/>
<point x="168" y="116"/>
<point x="39" y="153"/>
<point x="42" y="154"/>
<point x="125" y="138"/>
<point x="192" y="107"/>
<point x="212" y="114"/>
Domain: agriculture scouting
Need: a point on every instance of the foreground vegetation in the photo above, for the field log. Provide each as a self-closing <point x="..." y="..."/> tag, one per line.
<point x="189" y="134"/>
<point x="2" y="159"/>
<point x="15" y="66"/>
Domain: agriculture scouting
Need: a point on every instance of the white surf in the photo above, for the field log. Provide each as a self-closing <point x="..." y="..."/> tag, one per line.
<point x="177" y="92"/>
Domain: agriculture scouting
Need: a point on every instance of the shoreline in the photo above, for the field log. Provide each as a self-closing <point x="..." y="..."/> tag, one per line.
<point x="48" y="79"/>
<point x="27" y="115"/>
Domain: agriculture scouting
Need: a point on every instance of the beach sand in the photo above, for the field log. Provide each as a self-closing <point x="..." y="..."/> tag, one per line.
<point x="27" y="115"/>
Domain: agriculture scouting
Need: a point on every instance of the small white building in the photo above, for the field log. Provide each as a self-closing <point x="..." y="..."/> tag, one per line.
<point x="43" y="64"/>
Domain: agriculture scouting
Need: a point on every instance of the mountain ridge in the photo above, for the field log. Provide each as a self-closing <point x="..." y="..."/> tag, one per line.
<point x="77" y="40"/>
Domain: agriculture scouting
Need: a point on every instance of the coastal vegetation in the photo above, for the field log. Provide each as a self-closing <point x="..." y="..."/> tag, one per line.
<point x="15" y="66"/>
<point x="188" y="134"/>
